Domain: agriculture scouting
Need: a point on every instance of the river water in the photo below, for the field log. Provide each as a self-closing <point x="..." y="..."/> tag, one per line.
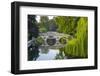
<point x="37" y="54"/>
<point x="50" y="55"/>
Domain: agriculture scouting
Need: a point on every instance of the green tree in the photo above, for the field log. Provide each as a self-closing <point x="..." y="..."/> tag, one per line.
<point x="32" y="27"/>
<point x="78" y="28"/>
<point x="43" y="25"/>
<point x="78" y="47"/>
<point x="52" y="25"/>
<point x="66" y="24"/>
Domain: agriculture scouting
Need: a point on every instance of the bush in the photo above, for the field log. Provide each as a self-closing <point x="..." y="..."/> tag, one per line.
<point x="39" y="40"/>
<point x="63" y="40"/>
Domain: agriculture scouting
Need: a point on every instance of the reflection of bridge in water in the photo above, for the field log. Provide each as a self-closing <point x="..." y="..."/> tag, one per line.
<point x="51" y="40"/>
<point x="49" y="49"/>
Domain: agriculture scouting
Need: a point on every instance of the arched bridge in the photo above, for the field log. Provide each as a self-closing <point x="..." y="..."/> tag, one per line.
<point x="51" y="40"/>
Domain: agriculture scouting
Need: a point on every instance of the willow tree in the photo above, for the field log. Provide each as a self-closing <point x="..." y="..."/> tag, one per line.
<point x="78" y="47"/>
<point x="78" y="28"/>
<point x="82" y="35"/>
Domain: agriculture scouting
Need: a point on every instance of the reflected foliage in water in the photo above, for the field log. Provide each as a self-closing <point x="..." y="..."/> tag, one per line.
<point x="33" y="53"/>
<point x="37" y="54"/>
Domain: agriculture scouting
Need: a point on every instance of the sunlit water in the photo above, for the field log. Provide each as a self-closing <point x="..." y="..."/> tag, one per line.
<point x="50" y="55"/>
<point x="37" y="54"/>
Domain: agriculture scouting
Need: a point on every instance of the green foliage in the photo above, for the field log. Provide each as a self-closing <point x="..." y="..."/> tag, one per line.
<point x="60" y="55"/>
<point x="32" y="27"/>
<point x="66" y="24"/>
<point x="61" y="23"/>
<point x="43" y="25"/>
<point x="46" y="25"/>
<point x="82" y="35"/>
<point x="77" y="47"/>
<point x="39" y="40"/>
<point x="72" y="49"/>
<point x="42" y="30"/>
<point x="52" y="25"/>
<point x="63" y="40"/>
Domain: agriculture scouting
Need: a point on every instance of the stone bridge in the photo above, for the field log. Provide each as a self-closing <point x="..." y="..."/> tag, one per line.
<point x="51" y="40"/>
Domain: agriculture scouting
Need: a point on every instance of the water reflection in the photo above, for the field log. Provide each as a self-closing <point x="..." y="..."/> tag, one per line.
<point x="49" y="55"/>
<point x="33" y="53"/>
<point x="37" y="54"/>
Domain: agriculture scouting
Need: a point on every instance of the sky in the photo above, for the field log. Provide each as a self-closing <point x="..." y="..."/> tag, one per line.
<point x="38" y="18"/>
